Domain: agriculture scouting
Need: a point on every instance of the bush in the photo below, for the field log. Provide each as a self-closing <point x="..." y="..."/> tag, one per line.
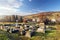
<point x="24" y="38"/>
<point x="3" y="37"/>
<point x="37" y="38"/>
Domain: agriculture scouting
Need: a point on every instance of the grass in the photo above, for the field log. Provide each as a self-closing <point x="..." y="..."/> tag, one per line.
<point x="53" y="34"/>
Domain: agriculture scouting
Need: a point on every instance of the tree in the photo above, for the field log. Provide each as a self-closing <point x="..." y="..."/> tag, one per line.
<point x="46" y="21"/>
<point x="21" y="19"/>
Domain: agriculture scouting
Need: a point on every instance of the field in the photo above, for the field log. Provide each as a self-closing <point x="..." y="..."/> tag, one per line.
<point x="49" y="35"/>
<point x="53" y="34"/>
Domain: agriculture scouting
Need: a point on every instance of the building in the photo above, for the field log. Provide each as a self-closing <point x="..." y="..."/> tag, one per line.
<point x="13" y="18"/>
<point x="41" y="28"/>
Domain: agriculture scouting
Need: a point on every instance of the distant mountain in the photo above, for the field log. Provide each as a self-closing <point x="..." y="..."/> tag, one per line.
<point x="42" y="16"/>
<point x="49" y="14"/>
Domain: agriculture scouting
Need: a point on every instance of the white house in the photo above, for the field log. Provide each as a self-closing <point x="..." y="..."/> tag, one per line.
<point x="53" y="20"/>
<point x="40" y="30"/>
<point x="33" y="19"/>
<point x="38" y="20"/>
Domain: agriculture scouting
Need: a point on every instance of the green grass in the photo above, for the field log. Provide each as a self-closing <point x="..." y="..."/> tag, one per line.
<point x="49" y="35"/>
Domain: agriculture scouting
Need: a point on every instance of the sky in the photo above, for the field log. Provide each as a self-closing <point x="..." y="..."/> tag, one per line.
<point x="27" y="7"/>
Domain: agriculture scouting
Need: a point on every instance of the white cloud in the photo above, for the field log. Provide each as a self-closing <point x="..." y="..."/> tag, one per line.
<point x="38" y="10"/>
<point x="24" y="13"/>
<point x="30" y="0"/>
<point x="12" y="11"/>
<point x="7" y="10"/>
<point x="21" y="0"/>
<point x="9" y="7"/>
<point x="11" y="3"/>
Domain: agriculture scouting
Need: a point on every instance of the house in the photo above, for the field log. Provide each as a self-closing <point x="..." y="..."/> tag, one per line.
<point x="31" y="26"/>
<point x="33" y="19"/>
<point x="4" y="28"/>
<point x="42" y="25"/>
<point x="53" y="20"/>
<point x="41" y="28"/>
<point x="1" y="27"/>
<point x="38" y="20"/>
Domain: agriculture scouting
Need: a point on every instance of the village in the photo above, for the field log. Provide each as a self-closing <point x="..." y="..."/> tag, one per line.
<point x="28" y="29"/>
<point x="42" y="26"/>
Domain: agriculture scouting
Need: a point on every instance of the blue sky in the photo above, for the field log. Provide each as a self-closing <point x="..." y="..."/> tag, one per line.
<point x="26" y="7"/>
<point x="43" y="5"/>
